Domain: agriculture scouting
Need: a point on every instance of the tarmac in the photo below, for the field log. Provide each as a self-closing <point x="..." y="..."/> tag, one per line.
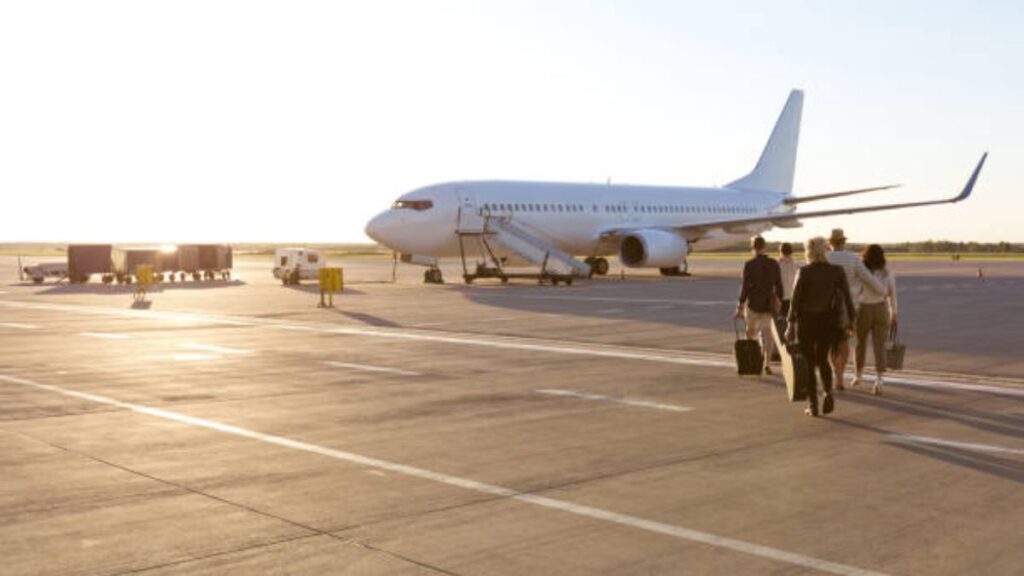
<point x="233" y="427"/>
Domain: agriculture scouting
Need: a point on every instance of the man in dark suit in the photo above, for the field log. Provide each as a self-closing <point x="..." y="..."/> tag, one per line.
<point x="760" y="297"/>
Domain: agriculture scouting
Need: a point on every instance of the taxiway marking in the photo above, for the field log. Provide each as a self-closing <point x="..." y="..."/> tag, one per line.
<point x="367" y="368"/>
<point x="679" y="532"/>
<point x="105" y="335"/>
<point x="954" y="444"/>
<point x="193" y="357"/>
<point x="603" y="398"/>
<point x="18" y="325"/>
<point x="481" y="340"/>
<point x="631" y="300"/>
<point x="212" y="348"/>
<point x="997" y="390"/>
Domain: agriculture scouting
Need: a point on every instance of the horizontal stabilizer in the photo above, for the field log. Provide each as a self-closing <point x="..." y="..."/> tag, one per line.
<point x="830" y="195"/>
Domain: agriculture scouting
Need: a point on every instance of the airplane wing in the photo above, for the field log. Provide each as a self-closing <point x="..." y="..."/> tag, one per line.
<point x="798" y="200"/>
<point x="792" y="219"/>
<point x="696" y="231"/>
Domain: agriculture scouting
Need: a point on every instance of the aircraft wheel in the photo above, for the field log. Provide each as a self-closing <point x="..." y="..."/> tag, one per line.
<point x="37" y="280"/>
<point x="600" y="266"/>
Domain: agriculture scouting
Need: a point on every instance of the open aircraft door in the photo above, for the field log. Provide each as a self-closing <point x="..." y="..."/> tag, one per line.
<point x="471" y="218"/>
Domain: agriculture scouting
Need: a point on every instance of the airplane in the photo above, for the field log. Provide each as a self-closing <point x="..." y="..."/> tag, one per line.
<point x="547" y="223"/>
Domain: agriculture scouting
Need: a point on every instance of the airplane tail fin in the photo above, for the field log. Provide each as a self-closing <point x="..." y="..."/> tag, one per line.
<point x="774" y="170"/>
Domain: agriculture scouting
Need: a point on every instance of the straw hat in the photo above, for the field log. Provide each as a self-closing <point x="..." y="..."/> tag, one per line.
<point x="837" y="237"/>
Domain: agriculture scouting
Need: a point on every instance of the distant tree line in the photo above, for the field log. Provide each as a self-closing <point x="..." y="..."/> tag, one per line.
<point x="920" y="247"/>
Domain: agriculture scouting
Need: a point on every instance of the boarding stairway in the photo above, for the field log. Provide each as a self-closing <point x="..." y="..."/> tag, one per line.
<point x="546" y="255"/>
<point x="556" y="264"/>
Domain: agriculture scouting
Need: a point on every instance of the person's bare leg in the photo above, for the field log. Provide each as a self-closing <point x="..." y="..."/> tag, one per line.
<point x="769" y="345"/>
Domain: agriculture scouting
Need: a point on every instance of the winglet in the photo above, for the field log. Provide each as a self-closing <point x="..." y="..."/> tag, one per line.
<point x="969" y="187"/>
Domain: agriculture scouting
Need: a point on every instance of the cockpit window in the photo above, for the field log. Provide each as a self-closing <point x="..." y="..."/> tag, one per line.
<point x="418" y="205"/>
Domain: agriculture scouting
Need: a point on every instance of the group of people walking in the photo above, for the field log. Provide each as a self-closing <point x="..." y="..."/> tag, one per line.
<point x="835" y="296"/>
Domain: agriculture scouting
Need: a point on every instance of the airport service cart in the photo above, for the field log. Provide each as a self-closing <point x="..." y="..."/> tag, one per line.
<point x="293" y="265"/>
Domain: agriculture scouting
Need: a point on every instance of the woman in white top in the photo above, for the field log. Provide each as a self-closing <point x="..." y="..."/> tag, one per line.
<point x="876" y="315"/>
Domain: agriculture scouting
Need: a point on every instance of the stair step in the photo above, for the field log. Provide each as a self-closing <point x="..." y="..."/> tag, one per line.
<point x="535" y="249"/>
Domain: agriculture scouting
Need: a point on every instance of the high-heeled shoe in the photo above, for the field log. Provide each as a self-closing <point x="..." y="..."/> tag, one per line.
<point x="877" y="388"/>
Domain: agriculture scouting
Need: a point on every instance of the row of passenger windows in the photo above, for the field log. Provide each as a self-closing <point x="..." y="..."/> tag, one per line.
<point x="619" y="208"/>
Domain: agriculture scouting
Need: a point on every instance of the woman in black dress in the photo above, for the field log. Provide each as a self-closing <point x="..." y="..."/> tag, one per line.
<point x="820" y="297"/>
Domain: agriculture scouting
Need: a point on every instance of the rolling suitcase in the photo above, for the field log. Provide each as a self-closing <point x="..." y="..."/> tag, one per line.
<point x="795" y="367"/>
<point x="749" y="359"/>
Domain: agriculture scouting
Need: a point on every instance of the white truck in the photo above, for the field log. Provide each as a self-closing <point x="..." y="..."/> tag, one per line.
<point x="40" y="272"/>
<point x="292" y="265"/>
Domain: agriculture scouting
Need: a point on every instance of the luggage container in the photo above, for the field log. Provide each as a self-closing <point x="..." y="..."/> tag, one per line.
<point x="205" y="261"/>
<point x="127" y="260"/>
<point x="84" y="260"/>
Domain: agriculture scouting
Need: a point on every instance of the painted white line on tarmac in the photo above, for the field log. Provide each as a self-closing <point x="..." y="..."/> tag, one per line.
<point x="632" y="300"/>
<point x="602" y="398"/>
<point x="212" y="348"/>
<point x="18" y="325"/>
<point x="105" y="335"/>
<point x="464" y="339"/>
<point x="465" y="483"/>
<point x="482" y="340"/>
<point x="193" y="357"/>
<point x="944" y="385"/>
<point x="954" y="444"/>
<point x="367" y="368"/>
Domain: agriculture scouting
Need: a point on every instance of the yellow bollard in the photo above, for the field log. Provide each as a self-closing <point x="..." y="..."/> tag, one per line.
<point x="144" y="278"/>
<point x="331" y="281"/>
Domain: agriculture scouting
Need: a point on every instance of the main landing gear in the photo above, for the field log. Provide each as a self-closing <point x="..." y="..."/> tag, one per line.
<point x="681" y="270"/>
<point x="598" y="266"/>
<point x="433" y="276"/>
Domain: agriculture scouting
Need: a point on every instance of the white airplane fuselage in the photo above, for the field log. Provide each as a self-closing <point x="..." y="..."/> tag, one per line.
<point x="572" y="217"/>
<point x="648" y="226"/>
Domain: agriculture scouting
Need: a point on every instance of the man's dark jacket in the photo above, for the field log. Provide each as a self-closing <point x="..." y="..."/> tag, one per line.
<point x="761" y="278"/>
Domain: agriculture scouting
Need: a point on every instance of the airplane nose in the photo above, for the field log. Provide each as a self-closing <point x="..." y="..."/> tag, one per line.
<point x="382" y="229"/>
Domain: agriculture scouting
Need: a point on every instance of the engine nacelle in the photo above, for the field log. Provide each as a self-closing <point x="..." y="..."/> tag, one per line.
<point x="653" y="249"/>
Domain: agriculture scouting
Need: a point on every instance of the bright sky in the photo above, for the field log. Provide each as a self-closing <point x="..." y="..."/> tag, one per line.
<point x="298" y="121"/>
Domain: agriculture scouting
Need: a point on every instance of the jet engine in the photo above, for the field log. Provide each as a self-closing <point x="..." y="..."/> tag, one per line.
<point x="653" y="249"/>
